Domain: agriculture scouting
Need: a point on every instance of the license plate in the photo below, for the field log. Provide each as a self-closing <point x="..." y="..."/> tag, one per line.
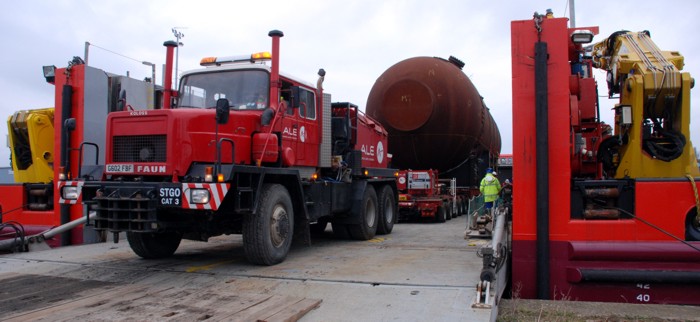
<point x="403" y="198"/>
<point x="114" y="168"/>
<point x="170" y="196"/>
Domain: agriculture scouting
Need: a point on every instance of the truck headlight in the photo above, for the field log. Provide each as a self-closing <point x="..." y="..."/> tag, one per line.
<point x="70" y="193"/>
<point x="199" y="195"/>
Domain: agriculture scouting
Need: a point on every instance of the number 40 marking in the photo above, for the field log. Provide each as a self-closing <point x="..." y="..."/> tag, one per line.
<point x="644" y="297"/>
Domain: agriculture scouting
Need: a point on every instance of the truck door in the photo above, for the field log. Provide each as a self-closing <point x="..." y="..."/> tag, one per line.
<point x="300" y="129"/>
<point x="309" y="130"/>
<point x="290" y="130"/>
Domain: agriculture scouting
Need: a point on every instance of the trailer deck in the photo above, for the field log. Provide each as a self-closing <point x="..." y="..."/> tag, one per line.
<point x="419" y="272"/>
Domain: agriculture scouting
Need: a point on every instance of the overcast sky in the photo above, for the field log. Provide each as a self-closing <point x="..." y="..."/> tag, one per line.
<point x="354" y="41"/>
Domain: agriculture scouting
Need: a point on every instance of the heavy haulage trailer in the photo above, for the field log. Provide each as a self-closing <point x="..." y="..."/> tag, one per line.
<point x="240" y="149"/>
<point x="422" y="195"/>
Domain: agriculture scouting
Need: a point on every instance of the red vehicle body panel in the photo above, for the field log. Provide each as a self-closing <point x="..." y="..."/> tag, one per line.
<point x="594" y="260"/>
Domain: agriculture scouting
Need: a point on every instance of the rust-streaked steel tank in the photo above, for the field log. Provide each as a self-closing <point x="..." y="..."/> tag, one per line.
<point x="436" y="118"/>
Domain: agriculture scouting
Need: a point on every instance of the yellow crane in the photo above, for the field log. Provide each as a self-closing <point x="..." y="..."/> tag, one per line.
<point x="652" y="118"/>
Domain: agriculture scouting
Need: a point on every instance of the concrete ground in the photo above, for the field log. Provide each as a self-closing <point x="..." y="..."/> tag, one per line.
<point x="420" y="272"/>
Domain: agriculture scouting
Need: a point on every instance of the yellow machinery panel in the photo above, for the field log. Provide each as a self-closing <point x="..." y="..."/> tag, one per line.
<point x="31" y="135"/>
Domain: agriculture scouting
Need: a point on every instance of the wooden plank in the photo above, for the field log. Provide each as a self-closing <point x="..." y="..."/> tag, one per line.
<point x="295" y="311"/>
<point x="214" y="306"/>
<point x="165" y="304"/>
<point x="143" y="305"/>
<point x="253" y="313"/>
<point x="84" y="304"/>
<point x="51" y="298"/>
<point x="28" y="292"/>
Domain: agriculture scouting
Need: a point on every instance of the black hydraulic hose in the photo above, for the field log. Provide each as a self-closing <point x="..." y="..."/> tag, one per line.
<point x="542" y="166"/>
<point x="66" y="106"/>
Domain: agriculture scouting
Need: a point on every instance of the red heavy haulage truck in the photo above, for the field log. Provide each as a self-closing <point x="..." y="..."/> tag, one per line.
<point x="240" y="149"/>
<point x="423" y="195"/>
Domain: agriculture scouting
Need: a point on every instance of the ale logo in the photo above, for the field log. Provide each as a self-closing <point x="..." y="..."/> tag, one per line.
<point x="380" y="152"/>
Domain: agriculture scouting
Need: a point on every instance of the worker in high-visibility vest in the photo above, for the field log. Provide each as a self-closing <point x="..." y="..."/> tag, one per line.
<point x="490" y="188"/>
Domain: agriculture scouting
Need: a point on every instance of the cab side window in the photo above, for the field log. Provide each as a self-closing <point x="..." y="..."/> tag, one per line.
<point x="285" y="96"/>
<point x="307" y="104"/>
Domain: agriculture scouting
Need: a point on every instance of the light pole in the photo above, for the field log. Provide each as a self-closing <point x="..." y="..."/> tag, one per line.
<point x="153" y="71"/>
<point x="178" y="35"/>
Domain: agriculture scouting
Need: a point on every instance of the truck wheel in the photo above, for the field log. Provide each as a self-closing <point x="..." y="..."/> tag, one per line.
<point x="692" y="227"/>
<point x="368" y="216"/>
<point x="459" y="208"/>
<point x="267" y="234"/>
<point x="440" y="214"/>
<point x="448" y="210"/>
<point x="153" y="245"/>
<point x="387" y="211"/>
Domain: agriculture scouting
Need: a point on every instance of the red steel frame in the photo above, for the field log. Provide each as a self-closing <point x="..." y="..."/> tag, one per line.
<point x="630" y="250"/>
<point x="13" y="195"/>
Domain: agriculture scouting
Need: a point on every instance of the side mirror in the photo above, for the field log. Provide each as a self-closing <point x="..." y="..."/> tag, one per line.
<point x="267" y="116"/>
<point x="222" y="111"/>
<point x="294" y="100"/>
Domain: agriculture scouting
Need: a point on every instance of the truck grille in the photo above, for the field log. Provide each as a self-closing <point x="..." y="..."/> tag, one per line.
<point x="139" y="148"/>
<point x="135" y="213"/>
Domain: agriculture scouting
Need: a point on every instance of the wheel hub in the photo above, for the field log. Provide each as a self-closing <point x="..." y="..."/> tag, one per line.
<point x="370" y="213"/>
<point x="279" y="226"/>
<point x="389" y="211"/>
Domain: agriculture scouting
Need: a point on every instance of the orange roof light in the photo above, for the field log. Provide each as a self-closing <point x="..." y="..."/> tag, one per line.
<point x="252" y="58"/>
<point x="206" y="61"/>
<point x="263" y="55"/>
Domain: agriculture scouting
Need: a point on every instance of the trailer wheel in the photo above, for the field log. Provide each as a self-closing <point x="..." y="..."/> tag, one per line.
<point x="387" y="210"/>
<point x="154" y="245"/>
<point x="267" y="234"/>
<point x="448" y="210"/>
<point x="368" y="216"/>
<point x="440" y="214"/>
<point x="459" y="208"/>
<point x="692" y="227"/>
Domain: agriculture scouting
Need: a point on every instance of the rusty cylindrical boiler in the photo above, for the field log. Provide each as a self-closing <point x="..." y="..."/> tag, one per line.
<point x="435" y="117"/>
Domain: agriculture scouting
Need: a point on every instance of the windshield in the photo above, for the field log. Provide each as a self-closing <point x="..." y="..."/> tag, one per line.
<point x="244" y="89"/>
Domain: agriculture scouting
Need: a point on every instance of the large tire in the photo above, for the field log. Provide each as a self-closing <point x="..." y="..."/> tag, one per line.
<point x="440" y="214"/>
<point x="448" y="210"/>
<point x="368" y="216"/>
<point x="267" y="234"/>
<point x="154" y="245"/>
<point x="387" y="211"/>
